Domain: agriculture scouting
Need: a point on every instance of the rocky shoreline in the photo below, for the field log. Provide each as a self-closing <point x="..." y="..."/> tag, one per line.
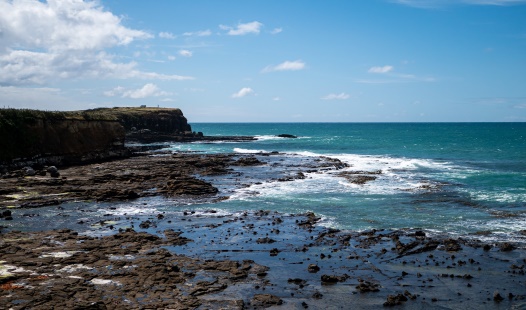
<point x="211" y="260"/>
<point x="255" y="260"/>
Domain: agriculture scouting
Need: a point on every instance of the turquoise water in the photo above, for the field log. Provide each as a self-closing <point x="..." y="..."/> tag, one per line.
<point x="459" y="178"/>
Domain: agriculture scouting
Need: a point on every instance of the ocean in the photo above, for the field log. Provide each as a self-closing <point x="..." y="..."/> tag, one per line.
<point x="463" y="179"/>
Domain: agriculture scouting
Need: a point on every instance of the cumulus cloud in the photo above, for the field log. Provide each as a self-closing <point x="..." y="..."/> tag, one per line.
<point x="185" y="53"/>
<point x="285" y="66"/>
<point x="243" y="29"/>
<point x="166" y="35"/>
<point x="245" y="91"/>
<point x="148" y="90"/>
<point x="276" y="30"/>
<point x="340" y="96"/>
<point x="384" y="69"/>
<point x="43" y="41"/>
<point x="201" y="33"/>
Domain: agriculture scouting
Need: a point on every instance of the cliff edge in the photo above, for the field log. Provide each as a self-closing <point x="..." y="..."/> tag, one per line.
<point x="29" y="137"/>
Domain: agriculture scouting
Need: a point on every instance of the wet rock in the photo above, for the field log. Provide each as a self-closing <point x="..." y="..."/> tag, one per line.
<point x="53" y="172"/>
<point x="248" y="161"/>
<point x="497" y="297"/>
<point x="145" y="224"/>
<point x="188" y="186"/>
<point x="357" y="179"/>
<point x="286" y="135"/>
<point x="5" y="214"/>
<point x="313" y="268"/>
<point x="420" y="234"/>
<point x="403" y="248"/>
<point x="451" y="245"/>
<point x="332" y="279"/>
<point x="366" y="286"/>
<point x="274" y="252"/>
<point x="317" y="295"/>
<point x="409" y="295"/>
<point x="265" y="300"/>
<point x="394" y="300"/>
<point x="28" y="171"/>
<point x="265" y="240"/>
<point x="117" y="194"/>
<point x="297" y="281"/>
<point x="311" y="220"/>
<point x="204" y="287"/>
<point x="506" y="247"/>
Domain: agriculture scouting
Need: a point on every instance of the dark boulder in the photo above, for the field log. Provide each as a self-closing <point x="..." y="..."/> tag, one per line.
<point x="286" y="135"/>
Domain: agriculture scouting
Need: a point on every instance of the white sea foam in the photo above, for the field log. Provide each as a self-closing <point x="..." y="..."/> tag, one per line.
<point x="497" y="196"/>
<point x="268" y="137"/>
<point x="129" y="210"/>
<point x="248" y="151"/>
<point x="397" y="175"/>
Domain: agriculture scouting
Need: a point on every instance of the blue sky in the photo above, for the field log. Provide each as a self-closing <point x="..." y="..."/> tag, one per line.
<point x="269" y="60"/>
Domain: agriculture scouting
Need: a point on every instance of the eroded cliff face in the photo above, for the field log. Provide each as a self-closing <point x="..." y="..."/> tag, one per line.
<point x="29" y="137"/>
<point x="76" y="138"/>
<point x="62" y="142"/>
<point x="162" y="120"/>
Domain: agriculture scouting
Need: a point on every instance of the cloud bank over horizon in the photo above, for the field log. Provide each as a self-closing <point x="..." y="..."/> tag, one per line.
<point x="80" y="54"/>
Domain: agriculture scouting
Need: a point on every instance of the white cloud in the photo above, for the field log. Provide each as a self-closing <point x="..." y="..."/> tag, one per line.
<point x="520" y="106"/>
<point x="185" y="53"/>
<point x="119" y="90"/>
<point x="171" y="57"/>
<point x="276" y="99"/>
<point x="63" y="25"/>
<point x="245" y="91"/>
<point x="148" y="90"/>
<point x="276" y="30"/>
<point x="384" y="69"/>
<point x="202" y="33"/>
<point x="45" y="41"/>
<point x="285" y="66"/>
<point x="167" y="35"/>
<point x="243" y="29"/>
<point x="340" y="96"/>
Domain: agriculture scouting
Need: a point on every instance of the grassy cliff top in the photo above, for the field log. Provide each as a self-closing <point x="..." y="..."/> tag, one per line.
<point x="14" y="117"/>
<point x="131" y="112"/>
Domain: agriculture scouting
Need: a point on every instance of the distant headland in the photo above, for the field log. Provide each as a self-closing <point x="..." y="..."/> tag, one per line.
<point x="29" y="137"/>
